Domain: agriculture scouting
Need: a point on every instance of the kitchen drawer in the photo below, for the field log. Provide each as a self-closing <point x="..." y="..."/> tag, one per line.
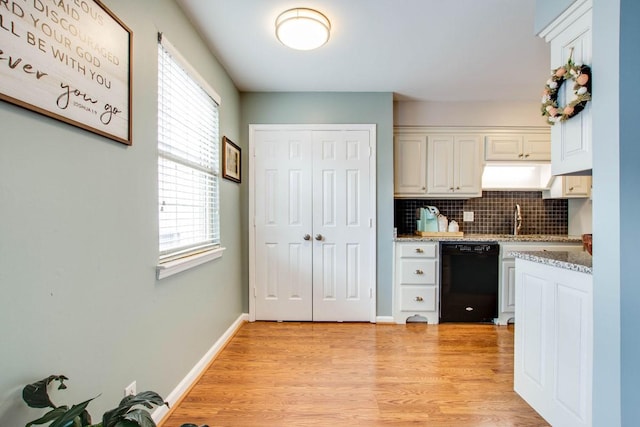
<point x="418" y="271"/>
<point x="418" y="298"/>
<point x="419" y="250"/>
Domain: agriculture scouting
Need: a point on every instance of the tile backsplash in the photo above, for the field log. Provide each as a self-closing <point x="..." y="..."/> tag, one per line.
<point x="493" y="213"/>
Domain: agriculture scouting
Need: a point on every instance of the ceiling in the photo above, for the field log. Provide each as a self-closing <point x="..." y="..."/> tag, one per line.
<point x="422" y="50"/>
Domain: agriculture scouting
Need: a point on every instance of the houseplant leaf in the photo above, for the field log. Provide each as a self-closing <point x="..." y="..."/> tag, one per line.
<point x="137" y="418"/>
<point x="71" y="414"/>
<point x="36" y="394"/>
<point x="49" y="416"/>
<point x="148" y="399"/>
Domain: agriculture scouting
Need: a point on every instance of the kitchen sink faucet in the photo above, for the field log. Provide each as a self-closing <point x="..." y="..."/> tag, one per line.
<point x="517" y="220"/>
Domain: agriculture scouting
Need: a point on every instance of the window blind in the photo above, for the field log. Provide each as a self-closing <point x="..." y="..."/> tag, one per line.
<point x="188" y="159"/>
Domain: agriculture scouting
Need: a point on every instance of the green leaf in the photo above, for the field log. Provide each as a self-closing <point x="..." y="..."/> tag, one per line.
<point x="49" y="416"/>
<point x="140" y="417"/>
<point x="148" y="399"/>
<point x="71" y="414"/>
<point x="36" y="395"/>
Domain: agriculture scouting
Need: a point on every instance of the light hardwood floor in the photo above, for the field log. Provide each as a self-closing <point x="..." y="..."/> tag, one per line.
<point x="359" y="374"/>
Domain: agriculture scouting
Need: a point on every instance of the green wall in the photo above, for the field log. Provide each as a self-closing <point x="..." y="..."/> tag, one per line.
<point x="351" y="108"/>
<point x="78" y="244"/>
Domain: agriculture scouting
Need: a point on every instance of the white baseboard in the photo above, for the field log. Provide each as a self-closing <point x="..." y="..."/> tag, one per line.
<point x="385" y="319"/>
<point x="198" y="369"/>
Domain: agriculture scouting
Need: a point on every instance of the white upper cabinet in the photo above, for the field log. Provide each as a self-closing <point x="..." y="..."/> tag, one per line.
<point x="571" y="141"/>
<point x="448" y="162"/>
<point x="454" y="166"/>
<point x="410" y="165"/>
<point x="518" y="147"/>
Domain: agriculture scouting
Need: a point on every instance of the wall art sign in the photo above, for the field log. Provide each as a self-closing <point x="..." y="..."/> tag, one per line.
<point x="70" y="60"/>
<point x="231" y="163"/>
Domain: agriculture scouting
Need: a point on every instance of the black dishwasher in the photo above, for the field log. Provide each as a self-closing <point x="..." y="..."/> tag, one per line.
<point x="469" y="281"/>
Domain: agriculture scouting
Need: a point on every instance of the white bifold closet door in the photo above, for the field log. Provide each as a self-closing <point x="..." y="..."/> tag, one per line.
<point x="314" y="224"/>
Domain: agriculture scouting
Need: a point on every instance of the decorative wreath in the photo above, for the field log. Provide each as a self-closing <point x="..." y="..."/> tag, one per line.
<point x="581" y="75"/>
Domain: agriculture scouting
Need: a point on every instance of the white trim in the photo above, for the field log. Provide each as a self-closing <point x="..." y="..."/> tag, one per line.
<point x="573" y="12"/>
<point x="198" y="369"/>
<point x="472" y="130"/>
<point x="385" y="319"/>
<point x="373" y="141"/>
<point x="162" y="39"/>
<point x="373" y="191"/>
<point x="174" y="267"/>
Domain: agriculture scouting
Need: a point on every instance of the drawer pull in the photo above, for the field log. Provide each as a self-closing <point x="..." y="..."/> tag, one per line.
<point x="419" y="299"/>
<point x="419" y="250"/>
<point x="419" y="272"/>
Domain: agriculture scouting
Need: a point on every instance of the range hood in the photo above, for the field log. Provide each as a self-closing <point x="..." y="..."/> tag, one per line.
<point x="516" y="176"/>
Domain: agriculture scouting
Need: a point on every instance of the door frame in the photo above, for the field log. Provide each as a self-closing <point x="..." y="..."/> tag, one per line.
<point x="371" y="128"/>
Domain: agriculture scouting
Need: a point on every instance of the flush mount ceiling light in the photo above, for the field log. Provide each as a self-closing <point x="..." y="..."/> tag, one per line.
<point x="302" y="28"/>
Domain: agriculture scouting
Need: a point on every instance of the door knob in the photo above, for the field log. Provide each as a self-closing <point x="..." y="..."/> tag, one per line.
<point x="319" y="237"/>
<point x="307" y="237"/>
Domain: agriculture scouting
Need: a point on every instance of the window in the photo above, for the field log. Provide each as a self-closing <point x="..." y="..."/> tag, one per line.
<point x="188" y="161"/>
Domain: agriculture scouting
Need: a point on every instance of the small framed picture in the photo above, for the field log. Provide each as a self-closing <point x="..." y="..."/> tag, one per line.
<point x="231" y="167"/>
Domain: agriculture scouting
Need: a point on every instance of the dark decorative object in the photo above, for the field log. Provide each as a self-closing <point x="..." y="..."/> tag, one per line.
<point x="587" y="243"/>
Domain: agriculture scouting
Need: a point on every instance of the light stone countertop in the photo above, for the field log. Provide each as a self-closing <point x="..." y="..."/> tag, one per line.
<point x="493" y="238"/>
<point x="576" y="261"/>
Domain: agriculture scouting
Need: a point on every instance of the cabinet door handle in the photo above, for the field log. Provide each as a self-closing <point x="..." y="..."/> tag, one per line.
<point x="526" y="155"/>
<point x="419" y="272"/>
<point x="419" y="299"/>
<point x="571" y="188"/>
<point x="450" y="188"/>
<point x="307" y="237"/>
<point x="419" y="250"/>
<point x="319" y="237"/>
<point x="457" y="188"/>
<point x="424" y="188"/>
<point x="520" y="155"/>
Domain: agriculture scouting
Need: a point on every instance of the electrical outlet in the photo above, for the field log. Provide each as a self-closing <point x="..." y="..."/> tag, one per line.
<point x="467" y="216"/>
<point x="130" y="390"/>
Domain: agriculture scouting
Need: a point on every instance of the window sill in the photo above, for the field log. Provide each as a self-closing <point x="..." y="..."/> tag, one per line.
<point x="174" y="267"/>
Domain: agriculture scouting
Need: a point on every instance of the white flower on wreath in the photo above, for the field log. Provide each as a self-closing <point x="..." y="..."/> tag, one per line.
<point x="553" y="85"/>
<point x="580" y="91"/>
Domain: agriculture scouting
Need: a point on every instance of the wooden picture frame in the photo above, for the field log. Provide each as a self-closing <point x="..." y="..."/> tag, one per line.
<point x="231" y="161"/>
<point x="71" y="62"/>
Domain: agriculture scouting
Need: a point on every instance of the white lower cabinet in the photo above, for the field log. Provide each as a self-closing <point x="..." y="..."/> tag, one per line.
<point x="554" y="342"/>
<point x="416" y="281"/>
<point x="507" y="278"/>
